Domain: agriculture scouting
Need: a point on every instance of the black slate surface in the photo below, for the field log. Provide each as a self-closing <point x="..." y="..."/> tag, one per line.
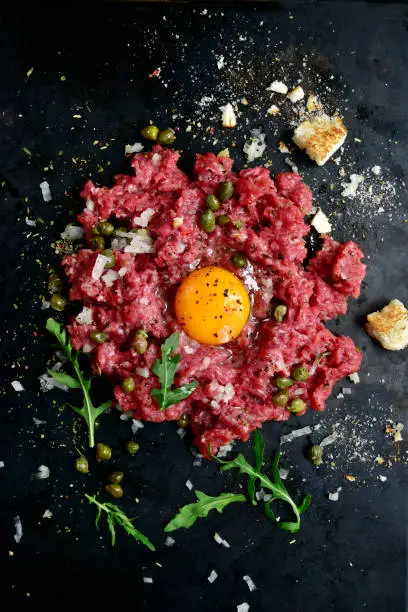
<point x="349" y="555"/>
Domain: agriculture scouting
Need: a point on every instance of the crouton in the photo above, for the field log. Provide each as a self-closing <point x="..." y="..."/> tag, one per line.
<point x="389" y="326"/>
<point x="321" y="223"/>
<point x="320" y="137"/>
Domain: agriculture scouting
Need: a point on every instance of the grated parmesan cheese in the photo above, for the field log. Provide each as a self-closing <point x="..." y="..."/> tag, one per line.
<point x="99" y="266"/>
<point x="350" y="189"/>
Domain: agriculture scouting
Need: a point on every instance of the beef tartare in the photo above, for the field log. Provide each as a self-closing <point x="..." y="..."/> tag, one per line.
<point x="163" y="257"/>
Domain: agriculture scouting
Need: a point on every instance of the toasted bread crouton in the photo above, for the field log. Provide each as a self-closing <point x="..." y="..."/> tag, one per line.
<point x="320" y="137"/>
<point x="390" y="326"/>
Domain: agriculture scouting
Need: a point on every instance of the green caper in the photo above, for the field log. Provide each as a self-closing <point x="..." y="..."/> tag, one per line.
<point x="212" y="202"/>
<point x="222" y="220"/>
<point x="279" y="312"/>
<point x="105" y="228"/>
<point x="300" y="374"/>
<point x="140" y="231"/>
<point x="237" y="223"/>
<point x="281" y="398"/>
<point x="54" y="283"/>
<point x="128" y="385"/>
<point x="132" y="447"/>
<point x="225" y="191"/>
<point x="297" y="406"/>
<point x="95" y="231"/>
<point x="103" y="452"/>
<point x="111" y="258"/>
<point x="150" y="132"/>
<point x="115" y="490"/>
<point x="315" y="454"/>
<point x="81" y="464"/>
<point x="283" y="382"/>
<point x="183" y="421"/>
<point x="207" y="221"/>
<point x="58" y="302"/>
<point x="115" y="477"/>
<point x="239" y="260"/>
<point x="140" y="343"/>
<point x="99" y="337"/>
<point x="166" y="137"/>
<point x="97" y="243"/>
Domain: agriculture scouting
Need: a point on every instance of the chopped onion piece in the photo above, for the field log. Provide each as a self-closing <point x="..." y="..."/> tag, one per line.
<point x="136" y="425"/>
<point x="255" y="146"/>
<point x="99" y="266"/>
<point x="45" y="190"/>
<point x="2" y="464"/>
<point x="143" y="220"/>
<point x="42" y="473"/>
<point x="189" y="485"/>
<point x="169" y="541"/>
<point x="147" y="580"/>
<point x="110" y="277"/>
<point x="85" y="316"/>
<point x="243" y="607"/>
<point x="134" y="148"/>
<point x="181" y="432"/>
<point x="30" y="222"/>
<point x="19" y="529"/>
<point x="73" y="232"/>
<point x="212" y="577"/>
<point x="17" y="386"/>
<point x="328" y="440"/>
<point x="355" y="378"/>
<point x="47" y="514"/>
<point x="335" y="495"/>
<point x="346" y="390"/>
<point x="139" y="244"/>
<point x="143" y="372"/>
<point x="296" y="433"/>
<point x="250" y="583"/>
<point x="38" y="422"/>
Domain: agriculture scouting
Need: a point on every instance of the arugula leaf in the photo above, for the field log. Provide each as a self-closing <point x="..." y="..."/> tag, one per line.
<point x="88" y="411"/>
<point x="165" y="370"/>
<point x="188" y="514"/>
<point x="115" y="515"/>
<point x="259" y="450"/>
<point x="276" y="486"/>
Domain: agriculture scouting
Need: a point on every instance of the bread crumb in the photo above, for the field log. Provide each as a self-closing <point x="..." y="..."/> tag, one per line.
<point x="296" y="94"/>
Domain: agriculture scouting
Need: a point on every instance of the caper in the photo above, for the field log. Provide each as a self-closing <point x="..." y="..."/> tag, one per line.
<point x="225" y="191"/>
<point x="54" y="283"/>
<point x="58" y="302"/>
<point x="297" y="406"/>
<point x="111" y="258"/>
<point x="300" y="374"/>
<point x="115" y="490"/>
<point x="150" y="132"/>
<point x="105" y="228"/>
<point x="99" y="337"/>
<point x="81" y="464"/>
<point x="115" y="477"/>
<point x="132" y="447"/>
<point x="281" y="398"/>
<point x="140" y="343"/>
<point x="239" y="260"/>
<point x="237" y="223"/>
<point x="207" y="221"/>
<point x="279" y="312"/>
<point x="128" y="385"/>
<point x="166" y="137"/>
<point x="222" y="220"/>
<point x="95" y="231"/>
<point x="315" y="454"/>
<point x="97" y="243"/>
<point x="103" y="452"/>
<point x="212" y="202"/>
<point x="183" y="421"/>
<point x="140" y="231"/>
<point x="283" y="382"/>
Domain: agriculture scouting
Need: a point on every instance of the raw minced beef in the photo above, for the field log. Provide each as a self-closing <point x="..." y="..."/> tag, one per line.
<point x="236" y="380"/>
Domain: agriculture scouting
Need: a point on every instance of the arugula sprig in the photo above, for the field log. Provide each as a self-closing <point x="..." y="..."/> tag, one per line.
<point x="115" y="516"/>
<point x="165" y="370"/>
<point x="187" y="515"/>
<point x="88" y="411"/>
<point x="275" y="486"/>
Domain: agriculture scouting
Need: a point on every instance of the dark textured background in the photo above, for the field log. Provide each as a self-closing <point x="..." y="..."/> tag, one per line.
<point x="349" y="555"/>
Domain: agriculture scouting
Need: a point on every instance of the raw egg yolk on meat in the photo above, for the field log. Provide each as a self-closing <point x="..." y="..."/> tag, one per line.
<point x="212" y="305"/>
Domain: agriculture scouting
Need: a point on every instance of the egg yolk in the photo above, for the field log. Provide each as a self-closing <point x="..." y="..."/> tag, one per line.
<point x="212" y="305"/>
